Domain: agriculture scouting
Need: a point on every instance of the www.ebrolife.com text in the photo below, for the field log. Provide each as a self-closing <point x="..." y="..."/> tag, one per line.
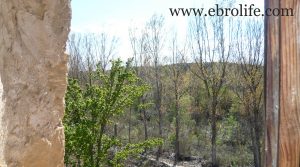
<point x="240" y="10"/>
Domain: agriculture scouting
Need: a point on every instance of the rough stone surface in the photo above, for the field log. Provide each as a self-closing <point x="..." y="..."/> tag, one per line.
<point x="33" y="71"/>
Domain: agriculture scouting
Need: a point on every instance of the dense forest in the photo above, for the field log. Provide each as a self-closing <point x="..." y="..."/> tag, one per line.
<point x="193" y="102"/>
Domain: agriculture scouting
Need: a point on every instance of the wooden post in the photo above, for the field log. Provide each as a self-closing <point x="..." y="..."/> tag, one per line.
<point x="282" y="86"/>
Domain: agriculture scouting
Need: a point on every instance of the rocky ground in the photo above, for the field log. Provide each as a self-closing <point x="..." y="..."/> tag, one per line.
<point x="150" y="161"/>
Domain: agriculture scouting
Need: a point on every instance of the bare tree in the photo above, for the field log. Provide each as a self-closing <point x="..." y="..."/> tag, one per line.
<point x="155" y="38"/>
<point x="88" y="50"/>
<point x="104" y="49"/>
<point x="211" y="47"/>
<point x="90" y="64"/>
<point x="75" y="63"/>
<point x="140" y="59"/>
<point x="249" y="75"/>
<point x="176" y="73"/>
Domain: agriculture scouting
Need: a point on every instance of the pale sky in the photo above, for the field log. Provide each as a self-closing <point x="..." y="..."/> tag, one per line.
<point x="115" y="17"/>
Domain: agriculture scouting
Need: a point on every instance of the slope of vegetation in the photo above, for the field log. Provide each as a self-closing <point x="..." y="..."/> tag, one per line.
<point x="201" y="103"/>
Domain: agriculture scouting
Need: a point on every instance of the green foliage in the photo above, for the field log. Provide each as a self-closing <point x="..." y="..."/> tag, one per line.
<point x="107" y="100"/>
<point x="89" y="111"/>
<point x="227" y="131"/>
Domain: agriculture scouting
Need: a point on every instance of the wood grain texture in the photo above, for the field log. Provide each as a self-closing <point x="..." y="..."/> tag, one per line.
<point x="272" y="50"/>
<point x="282" y="148"/>
<point x="289" y="130"/>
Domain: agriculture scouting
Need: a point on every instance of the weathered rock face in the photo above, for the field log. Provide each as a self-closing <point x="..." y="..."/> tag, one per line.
<point x="33" y="71"/>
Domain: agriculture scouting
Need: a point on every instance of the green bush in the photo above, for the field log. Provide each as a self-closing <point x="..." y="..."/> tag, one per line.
<point x="89" y="111"/>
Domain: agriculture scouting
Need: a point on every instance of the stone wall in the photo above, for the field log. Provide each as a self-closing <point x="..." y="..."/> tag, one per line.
<point x="33" y="71"/>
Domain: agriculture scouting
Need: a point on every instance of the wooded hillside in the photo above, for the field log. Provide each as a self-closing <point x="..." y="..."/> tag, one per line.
<point x="202" y="102"/>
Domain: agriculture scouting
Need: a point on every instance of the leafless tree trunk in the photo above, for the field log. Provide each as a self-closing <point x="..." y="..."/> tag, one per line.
<point x="145" y="120"/>
<point x="140" y="58"/>
<point x="129" y="125"/>
<point x="176" y="69"/>
<point x="211" y="47"/>
<point x="154" y="46"/>
<point x="249" y="56"/>
<point x="115" y="130"/>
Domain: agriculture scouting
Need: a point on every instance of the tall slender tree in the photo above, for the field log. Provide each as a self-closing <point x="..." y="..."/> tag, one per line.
<point x="155" y="40"/>
<point x="140" y="60"/>
<point x="211" y="46"/>
<point x="249" y="76"/>
<point x="176" y="73"/>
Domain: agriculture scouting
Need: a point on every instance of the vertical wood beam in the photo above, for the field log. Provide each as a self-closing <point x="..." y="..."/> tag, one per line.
<point x="272" y="50"/>
<point x="289" y="128"/>
<point x="282" y="86"/>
